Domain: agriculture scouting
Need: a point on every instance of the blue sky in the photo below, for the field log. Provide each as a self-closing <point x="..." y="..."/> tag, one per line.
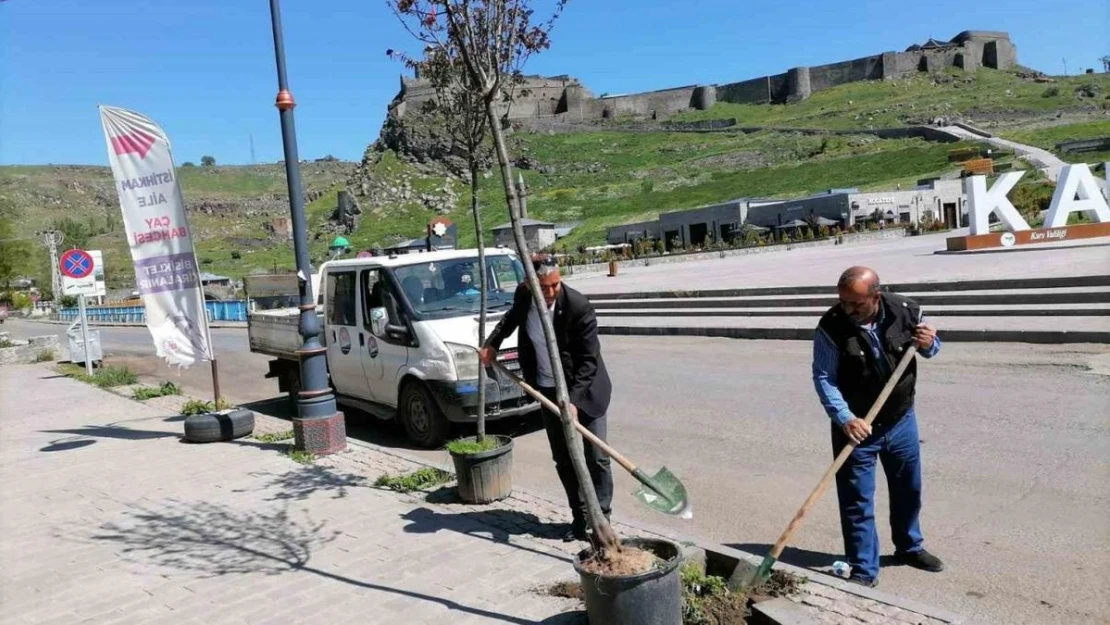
<point x="204" y="69"/>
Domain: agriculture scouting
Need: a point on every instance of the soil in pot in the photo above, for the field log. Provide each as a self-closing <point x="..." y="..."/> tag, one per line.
<point x="628" y="561"/>
<point x="651" y="595"/>
<point x="484" y="475"/>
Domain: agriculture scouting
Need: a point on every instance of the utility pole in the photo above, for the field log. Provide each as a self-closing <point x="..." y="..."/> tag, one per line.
<point x="253" y="161"/>
<point x="319" y="427"/>
<point x="52" y="239"/>
<point x="1065" y="66"/>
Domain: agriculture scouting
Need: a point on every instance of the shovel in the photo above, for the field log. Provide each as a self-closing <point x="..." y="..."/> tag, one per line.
<point x="663" y="491"/>
<point x="763" y="572"/>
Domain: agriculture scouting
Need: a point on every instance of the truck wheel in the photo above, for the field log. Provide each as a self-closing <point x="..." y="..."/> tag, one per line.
<point x="421" y="417"/>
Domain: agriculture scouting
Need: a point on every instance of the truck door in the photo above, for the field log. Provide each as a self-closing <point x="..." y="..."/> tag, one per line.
<point x="385" y="353"/>
<point x="340" y="329"/>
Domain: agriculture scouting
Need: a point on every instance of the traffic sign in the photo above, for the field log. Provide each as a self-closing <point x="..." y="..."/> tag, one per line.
<point x="76" y="264"/>
<point x="78" y="273"/>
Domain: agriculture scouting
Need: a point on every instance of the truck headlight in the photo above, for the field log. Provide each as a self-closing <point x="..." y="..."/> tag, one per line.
<point x="466" y="360"/>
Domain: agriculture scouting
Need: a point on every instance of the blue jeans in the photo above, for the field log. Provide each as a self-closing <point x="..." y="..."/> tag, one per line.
<point x="898" y="448"/>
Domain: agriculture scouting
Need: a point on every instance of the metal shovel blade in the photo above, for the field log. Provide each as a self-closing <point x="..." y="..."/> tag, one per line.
<point x="664" y="493"/>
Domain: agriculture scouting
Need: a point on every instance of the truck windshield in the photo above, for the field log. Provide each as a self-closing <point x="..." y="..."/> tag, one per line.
<point x="450" y="288"/>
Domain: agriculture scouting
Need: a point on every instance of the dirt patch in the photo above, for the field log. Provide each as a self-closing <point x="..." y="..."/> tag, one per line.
<point x="565" y="590"/>
<point x="628" y="561"/>
<point x="781" y="584"/>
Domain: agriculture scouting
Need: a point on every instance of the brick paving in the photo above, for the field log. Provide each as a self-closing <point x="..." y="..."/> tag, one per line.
<point x="107" y="517"/>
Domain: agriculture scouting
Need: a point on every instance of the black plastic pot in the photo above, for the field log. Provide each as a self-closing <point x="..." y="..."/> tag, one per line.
<point x="652" y="598"/>
<point x="486" y="476"/>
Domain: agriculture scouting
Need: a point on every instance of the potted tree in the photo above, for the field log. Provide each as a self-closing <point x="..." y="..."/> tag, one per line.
<point x="625" y="581"/>
<point x="483" y="464"/>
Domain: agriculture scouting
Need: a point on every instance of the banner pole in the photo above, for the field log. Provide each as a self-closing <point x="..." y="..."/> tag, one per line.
<point x="216" y="383"/>
<point x="85" y="334"/>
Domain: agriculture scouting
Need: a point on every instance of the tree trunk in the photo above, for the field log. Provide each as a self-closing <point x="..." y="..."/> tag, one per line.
<point x="482" y="297"/>
<point x="604" y="536"/>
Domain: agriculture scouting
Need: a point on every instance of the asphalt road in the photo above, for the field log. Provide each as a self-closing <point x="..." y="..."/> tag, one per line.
<point x="1015" y="440"/>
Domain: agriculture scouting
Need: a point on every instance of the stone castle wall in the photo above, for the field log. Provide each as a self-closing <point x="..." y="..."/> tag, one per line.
<point x="564" y="98"/>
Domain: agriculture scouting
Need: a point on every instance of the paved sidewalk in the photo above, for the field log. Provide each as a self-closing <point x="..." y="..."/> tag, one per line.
<point x="107" y="517"/>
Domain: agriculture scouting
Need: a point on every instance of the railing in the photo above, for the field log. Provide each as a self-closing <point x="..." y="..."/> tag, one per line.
<point x="234" y="310"/>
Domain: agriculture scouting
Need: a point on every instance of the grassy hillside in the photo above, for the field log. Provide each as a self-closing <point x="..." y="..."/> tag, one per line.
<point x="599" y="176"/>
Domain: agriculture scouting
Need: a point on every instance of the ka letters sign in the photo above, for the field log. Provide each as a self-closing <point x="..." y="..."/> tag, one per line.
<point x="1076" y="192"/>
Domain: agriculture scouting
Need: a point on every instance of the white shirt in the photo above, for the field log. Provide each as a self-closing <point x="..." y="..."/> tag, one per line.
<point x="544" y="376"/>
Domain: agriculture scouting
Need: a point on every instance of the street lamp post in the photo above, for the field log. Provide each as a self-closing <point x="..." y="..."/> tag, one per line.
<point x="319" y="426"/>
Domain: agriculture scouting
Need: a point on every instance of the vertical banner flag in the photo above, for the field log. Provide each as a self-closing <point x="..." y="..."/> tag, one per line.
<point x="166" y="270"/>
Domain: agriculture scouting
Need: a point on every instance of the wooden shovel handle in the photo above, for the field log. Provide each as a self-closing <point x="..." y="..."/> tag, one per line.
<point x="823" y="485"/>
<point x="550" y="405"/>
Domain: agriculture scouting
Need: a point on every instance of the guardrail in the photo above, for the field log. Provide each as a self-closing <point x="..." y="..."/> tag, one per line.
<point x="231" y="310"/>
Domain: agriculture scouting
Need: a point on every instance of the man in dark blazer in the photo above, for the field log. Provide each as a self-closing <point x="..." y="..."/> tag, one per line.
<point x="587" y="380"/>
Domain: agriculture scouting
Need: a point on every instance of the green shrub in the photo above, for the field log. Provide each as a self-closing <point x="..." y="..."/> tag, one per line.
<point x="197" y="406"/>
<point x="45" y="355"/>
<point x="417" y="480"/>
<point x="466" y="446"/>
<point x="4" y="342"/>
<point x="106" y="377"/>
<point x="147" y="392"/>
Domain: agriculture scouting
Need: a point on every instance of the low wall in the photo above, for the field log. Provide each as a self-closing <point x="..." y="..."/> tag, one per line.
<point x="29" y="352"/>
<point x="688" y="257"/>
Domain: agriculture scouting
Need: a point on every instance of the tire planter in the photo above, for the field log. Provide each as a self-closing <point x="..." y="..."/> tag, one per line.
<point x="652" y="598"/>
<point x="215" y="427"/>
<point x="486" y="476"/>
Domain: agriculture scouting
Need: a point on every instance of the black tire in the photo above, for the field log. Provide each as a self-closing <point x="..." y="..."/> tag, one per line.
<point x="424" y="423"/>
<point x="216" y="427"/>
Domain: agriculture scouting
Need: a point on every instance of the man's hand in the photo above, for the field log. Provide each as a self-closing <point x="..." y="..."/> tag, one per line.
<point x="573" y="410"/>
<point x="923" y="336"/>
<point x="856" y="430"/>
<point x="486" y="355"/>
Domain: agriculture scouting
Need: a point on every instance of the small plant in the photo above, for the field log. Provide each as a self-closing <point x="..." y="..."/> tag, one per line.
<point x="197" y="406"/>
<point x="274" y="437"/>
<point x="706" y="599"/>
<point x="5" y="342"/>
<point x="45" y="355"/>
<point x="420" y="479"/>
<point x="107" y="377"/>
<point x="1051" y="92"/>
<point x="301" y="457"/>
<point x="468" y="446"/>
<point x="114" y="376"/>
<point x="146" y="392"/>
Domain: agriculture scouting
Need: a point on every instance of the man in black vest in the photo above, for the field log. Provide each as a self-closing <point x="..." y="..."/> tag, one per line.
<point x="857" y="346"/>
<point x="587" y="380"/>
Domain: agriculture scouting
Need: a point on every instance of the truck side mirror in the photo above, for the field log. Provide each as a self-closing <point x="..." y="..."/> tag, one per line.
<point x="379" y="319"/>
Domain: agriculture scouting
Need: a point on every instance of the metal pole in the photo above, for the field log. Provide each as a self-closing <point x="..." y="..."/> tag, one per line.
<point x="318" y="427"/>
<point x="215" y="380"/>
<point x="85" y="334"/>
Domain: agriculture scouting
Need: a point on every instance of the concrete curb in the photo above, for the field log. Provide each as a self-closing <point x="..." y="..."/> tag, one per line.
<point x="722" y="551"/>
<point x="806" y="334"/>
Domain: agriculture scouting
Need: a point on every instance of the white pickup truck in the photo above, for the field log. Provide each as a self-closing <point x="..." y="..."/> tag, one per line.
<point x="400" y="333"/>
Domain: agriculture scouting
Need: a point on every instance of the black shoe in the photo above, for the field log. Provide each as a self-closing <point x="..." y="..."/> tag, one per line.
<point x="864" y="581"/>
<point x="921" y="560"/>
<point x="576" y="532"/>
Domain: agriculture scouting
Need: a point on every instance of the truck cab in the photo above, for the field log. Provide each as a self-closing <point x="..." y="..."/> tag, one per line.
<point x="401" y="334"/>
